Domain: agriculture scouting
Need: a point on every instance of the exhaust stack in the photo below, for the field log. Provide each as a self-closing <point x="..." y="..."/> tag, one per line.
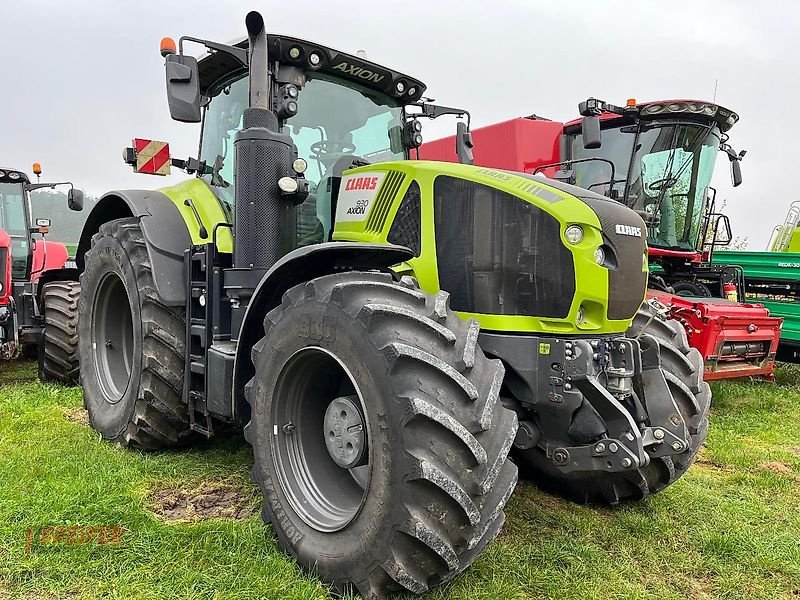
<point x="264" y="225"/>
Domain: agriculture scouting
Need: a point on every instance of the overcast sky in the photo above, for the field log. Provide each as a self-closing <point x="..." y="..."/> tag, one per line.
<point x="82" y="78"/>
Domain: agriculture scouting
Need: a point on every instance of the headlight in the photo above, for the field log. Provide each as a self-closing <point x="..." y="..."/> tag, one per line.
<point x="574" y="234"/>
<point x="299" y="166"/>
<point x="600" y="256"/>
<point x="581" y="315"/>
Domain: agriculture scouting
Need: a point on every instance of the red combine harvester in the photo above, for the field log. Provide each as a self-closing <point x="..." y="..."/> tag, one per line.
<point x="657" y="158"/>
<point x="38" y="286"/>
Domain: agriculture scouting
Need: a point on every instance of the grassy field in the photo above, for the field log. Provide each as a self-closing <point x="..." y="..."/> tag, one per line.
<point x="729" y="529"/>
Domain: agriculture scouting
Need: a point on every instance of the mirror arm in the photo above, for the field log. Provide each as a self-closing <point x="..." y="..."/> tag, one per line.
<point x="434" y="111"/>
<point x="240" y="54"/>
<point x="37" y="186"/>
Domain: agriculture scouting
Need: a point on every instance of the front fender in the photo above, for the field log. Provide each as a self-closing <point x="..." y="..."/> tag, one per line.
<point x="164" y="230"/>
<point x="303" y="264"/>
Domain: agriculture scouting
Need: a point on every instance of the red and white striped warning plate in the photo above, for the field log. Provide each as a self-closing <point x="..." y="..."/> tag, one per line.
<point x="152" y="157"/>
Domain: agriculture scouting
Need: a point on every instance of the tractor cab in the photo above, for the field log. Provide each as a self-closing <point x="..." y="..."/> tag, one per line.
<point x="15" y="220"/>
<point x="339" y="110"/>
<point x="657" y="158"/>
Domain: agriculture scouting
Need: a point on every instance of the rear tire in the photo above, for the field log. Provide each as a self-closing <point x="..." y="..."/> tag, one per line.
<point x="131" y="344"/>
<point x="429" y="492"/>
<point x="58" y="354"/>
<point x="683" y="370"/>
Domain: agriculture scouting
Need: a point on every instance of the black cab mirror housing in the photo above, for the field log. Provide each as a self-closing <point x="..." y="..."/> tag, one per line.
<point x="183" y="88"/>
<point x="75" y="199"/>
<point x="590" y="130"/>
<point x="464" y="143"/>
<point x="736" y="173"/>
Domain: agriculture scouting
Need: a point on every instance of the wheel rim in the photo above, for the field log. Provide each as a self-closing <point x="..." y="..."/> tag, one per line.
<point x="112" y="337"/>
<point x="326" y="495"/>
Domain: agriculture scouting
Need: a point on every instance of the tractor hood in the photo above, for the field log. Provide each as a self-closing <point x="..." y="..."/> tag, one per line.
<point x="517" y="252"/>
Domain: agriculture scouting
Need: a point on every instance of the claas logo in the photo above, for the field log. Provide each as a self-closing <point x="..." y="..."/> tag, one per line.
<point x="361" y="183"/>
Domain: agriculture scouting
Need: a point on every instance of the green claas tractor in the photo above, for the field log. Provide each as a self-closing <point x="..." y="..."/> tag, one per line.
<point x="378" y="325"/>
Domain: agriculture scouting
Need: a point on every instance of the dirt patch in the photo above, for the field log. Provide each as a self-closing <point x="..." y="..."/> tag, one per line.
<point x="77" y="415"/>
<point x="214" y="499"/>
<point x="796" y="451"/>
<point x="777" y="467"/>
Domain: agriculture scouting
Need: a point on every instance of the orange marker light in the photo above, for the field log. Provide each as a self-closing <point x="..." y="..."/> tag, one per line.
<point x="168" y="46"/>
<point x="37" y="169"/>
<point x="631" y="102"/>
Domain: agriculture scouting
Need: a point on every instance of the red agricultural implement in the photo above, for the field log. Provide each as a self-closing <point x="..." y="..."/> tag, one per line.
<point x="657" y="158"/>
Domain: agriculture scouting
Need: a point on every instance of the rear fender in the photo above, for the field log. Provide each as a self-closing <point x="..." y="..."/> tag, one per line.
<point x="164" y="230"/>
<point x="303" y="264"/>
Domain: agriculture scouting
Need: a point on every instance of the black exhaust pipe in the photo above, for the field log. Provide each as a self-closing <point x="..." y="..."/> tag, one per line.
<point x="259" y="60"/>
<point x="264" y="221"/>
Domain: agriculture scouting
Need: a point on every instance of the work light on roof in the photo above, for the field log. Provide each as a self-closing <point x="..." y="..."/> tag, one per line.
<point x="13" y="175"/>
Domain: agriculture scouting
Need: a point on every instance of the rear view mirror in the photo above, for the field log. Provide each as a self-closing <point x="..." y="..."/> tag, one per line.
<point x="736" y="173"/>
<point x="183" y="88"/>
<point x="590" y="129"/>
<point x="722" y="231"/>
<point x="75" y="199"/>
<point x="463" y="143"/>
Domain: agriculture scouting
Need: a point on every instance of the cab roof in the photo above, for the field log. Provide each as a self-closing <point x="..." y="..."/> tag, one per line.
<point x="6" y="176"/>
<point x="217" y="67"/>
<point x="660" y="109"/>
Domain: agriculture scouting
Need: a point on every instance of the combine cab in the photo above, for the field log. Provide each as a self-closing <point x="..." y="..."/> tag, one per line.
<point x="656" y="158"/>
<point x="773" y="279"/>
<point x="38" y="288"/>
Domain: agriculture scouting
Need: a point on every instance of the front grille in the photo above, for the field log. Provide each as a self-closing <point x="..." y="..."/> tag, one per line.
<point x="628" y="281"/>
<point x="498" y="254"/>
<point x="406" y="228"/>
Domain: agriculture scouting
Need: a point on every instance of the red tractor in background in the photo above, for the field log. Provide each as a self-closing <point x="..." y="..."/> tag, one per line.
<point x="38" y="284"/>
<point x="657" y="158"/>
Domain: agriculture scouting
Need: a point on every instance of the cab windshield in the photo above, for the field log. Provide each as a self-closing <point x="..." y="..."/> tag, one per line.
<point x="14" y="222"/>
<point x="335" y="120"/>
<point x="661" y="168"/>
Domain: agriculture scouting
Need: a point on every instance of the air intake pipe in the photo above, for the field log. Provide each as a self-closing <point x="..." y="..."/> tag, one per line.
<point x="264" y="221"/>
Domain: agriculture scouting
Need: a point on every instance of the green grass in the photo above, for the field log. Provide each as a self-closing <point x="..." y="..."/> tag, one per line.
<point x="729" y="529"/>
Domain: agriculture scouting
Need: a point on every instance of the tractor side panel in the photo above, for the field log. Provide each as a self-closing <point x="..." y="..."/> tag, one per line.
<point x="47" y="256"/>
<point x="198" y="194"/>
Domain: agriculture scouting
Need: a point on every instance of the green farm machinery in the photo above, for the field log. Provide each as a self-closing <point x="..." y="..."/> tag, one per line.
<point x="773" y="279"/>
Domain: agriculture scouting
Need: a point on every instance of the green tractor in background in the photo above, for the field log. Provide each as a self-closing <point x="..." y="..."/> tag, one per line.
<point x="379" y="326"/>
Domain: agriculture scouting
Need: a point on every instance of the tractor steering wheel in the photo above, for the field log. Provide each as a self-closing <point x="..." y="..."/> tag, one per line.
<point x="662" y="184"/>
<point x="326" y="147"/>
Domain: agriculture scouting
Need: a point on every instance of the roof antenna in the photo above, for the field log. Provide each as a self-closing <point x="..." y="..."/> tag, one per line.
<point x="716" y="82"/>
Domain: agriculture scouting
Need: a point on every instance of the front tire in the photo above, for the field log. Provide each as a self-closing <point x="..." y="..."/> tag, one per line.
<point x="683" y="370"/>
<point x="58" y="354"/>
<point x="131" y="344"/>
<point x="418" y="400"/>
